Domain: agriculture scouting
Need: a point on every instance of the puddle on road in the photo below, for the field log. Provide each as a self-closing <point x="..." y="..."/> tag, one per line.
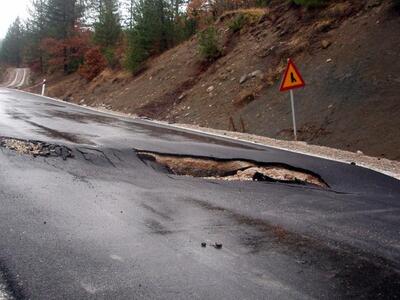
<point x="48" y="104"/>
<point x="230" y="170"/>
<point x="83" y="118"/>
<point x="35" y="148"/>
<point x="56" y="134"/>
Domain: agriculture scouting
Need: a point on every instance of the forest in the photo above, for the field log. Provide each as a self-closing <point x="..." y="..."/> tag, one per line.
<point x="87" y="36"/>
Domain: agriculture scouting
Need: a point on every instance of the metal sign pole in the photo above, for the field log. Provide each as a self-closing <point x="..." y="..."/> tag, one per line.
<point x="294" y="115"/>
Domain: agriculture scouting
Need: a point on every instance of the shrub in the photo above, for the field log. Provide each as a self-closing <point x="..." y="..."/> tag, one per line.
<point x="208" y="44"/>
<point x="94" y="64"/>
<point x="2" y="72"/>
<point x="238" y="23"/>
<point x="309" y="3"/>
<point x="135" y="58"/>
<point x="262" y="3"/>
<point x="111" y="58"/>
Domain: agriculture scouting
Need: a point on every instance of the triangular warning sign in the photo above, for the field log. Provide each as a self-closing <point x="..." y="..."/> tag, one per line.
<point x="292" y="78"/>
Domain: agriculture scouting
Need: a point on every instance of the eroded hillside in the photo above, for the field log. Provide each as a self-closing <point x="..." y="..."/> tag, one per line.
<point x="347" y="52"/>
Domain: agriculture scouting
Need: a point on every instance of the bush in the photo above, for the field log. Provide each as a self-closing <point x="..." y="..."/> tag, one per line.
<point x="309" y="3"/>
<point x="262" y="3"/>
<point x="186" y="29"/>
<point x="135" y="62"/>
<point x="135" y="57"/>
<point x="111" y="58"/>
<point x="208" y="44"/>
<point x="94" y="64"/>
<point x="2" y="72"/>
<point x="238" y="23"/>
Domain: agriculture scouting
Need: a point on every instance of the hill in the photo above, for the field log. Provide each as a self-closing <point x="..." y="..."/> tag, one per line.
<point x="347" y="52"/>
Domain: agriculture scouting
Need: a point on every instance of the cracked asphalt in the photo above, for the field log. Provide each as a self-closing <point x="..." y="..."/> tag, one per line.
<point x="103" y="224"/>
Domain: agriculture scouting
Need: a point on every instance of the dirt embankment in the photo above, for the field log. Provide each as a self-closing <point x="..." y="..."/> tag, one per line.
<point x="347" y="52"/>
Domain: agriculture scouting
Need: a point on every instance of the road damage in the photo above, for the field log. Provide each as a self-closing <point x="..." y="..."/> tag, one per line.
<point x="231" y="169"/>
<point x="111" y="224"/>
<point x="35" y="148"/>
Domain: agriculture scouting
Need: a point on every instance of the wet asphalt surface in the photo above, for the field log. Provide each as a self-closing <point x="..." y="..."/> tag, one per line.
<point x="104" y="225"/>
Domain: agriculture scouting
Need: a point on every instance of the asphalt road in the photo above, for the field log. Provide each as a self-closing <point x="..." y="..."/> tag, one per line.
<point x="17" y="78"/>
<point x="104" y="225"/>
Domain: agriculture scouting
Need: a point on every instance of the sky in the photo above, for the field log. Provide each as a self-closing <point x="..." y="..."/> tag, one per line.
<point x="9" y="11"/>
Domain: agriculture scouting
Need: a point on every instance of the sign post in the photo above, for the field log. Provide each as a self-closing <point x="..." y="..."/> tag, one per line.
<point x="292" y="80"/>
<point x="293" y="115"/>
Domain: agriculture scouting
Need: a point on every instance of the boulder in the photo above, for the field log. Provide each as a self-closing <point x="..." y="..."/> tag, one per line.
<point x="257" y="74"/>
<point x="325" y="44"/>
<point x="244" y="98"/>
<point x="243" y="79"/>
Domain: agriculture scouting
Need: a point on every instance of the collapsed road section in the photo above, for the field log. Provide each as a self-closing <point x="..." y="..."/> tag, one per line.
<point x="35" y="148"/>
<point x="230" y="169"/>
<point x="200" y="167"/>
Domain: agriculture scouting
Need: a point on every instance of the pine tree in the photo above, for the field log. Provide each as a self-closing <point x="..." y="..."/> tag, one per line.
<point x="107" y="29"/>
<point x="37" y="30"/>
<point x="63" y="16"/>
<point x="156" y="25"/>
<point x="129" y="8"/>
<point x="152" y="32"/>
<point x="12" y="45"/>
<point x="62" y="19"/>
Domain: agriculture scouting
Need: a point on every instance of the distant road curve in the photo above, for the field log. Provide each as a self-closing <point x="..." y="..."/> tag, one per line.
<point x="16" y="78"/>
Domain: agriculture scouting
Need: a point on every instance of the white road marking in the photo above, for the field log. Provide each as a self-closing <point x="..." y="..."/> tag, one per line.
<point x="15" y="79"/>
<point x="19" y="80"/>
<point x="23" y="79"/>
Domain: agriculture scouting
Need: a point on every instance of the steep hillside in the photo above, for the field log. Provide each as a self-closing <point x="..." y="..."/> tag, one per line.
<point x="348" y="53"/>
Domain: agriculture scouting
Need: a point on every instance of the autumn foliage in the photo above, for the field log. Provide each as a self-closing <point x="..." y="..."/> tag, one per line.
<point x="61" y="35"/>
<point x="66" y="53"/>
<point x="94" y="64"/>
<point x="199" y="9"/>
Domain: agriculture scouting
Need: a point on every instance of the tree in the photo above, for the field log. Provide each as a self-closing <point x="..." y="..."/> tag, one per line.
<point x="309" y="3"/>
<point x="106" y="22"/>
<point x="12" y="46"/>
<point x="107" y="29"/>
<point x="63" y="18"/>
<point x="36" y="31"/>
<point x="77" y="46"/>
<point x="94" y="64"/>
<point x="208" y="44"/>
<point x="154" y="30"/>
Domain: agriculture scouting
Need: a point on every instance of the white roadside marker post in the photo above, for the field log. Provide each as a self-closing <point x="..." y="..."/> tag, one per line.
<point x="43" y="87"/>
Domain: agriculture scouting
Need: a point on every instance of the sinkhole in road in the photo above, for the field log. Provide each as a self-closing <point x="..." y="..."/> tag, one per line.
<point x="230" y="169"/>
<point x="35" y="148"/>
